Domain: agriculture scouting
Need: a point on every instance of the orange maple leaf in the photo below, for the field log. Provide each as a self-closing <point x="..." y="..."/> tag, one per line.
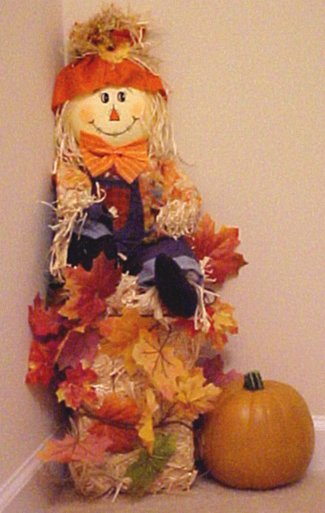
<point x="159" y="362"/>
<point x="223" y="322"/>
<point x="88" y="290"/>
<point x="41" y="362"/>
<point x="116" y="420"/>
<point x="219" y="248"/>
<point x="194" y="395"/>
<point x="44" y="322"/>
<point x="77" y="388"/>
<point x="121" y="333"/>
<point x="90" y="449"/>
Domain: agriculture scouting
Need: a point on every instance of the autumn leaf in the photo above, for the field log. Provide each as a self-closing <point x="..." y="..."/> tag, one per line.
<point x="222" y="322"/>
<point x="41" y="362"/>
<point x="146" y="425"/>
<point x="44" y="322"/>
<point x="214" y="373"/>
<point x="88" y="290"/>
<point x="158" y="360"/>
<point x="119" y="334"/>
<point x="116" y="420"/>
<point x="77" y="388"/>
<point x="194" y="395"/>
<point x="118" y="409"/>
<point x="148" y="466"/>
<point x="90" y="449"/>
<point x="76" y="347"/>
<point x="186" y="325"/>
<point x="220" y="247"/>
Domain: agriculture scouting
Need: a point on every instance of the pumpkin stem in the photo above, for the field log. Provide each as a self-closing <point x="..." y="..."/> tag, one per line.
<point x="253" y="381"/>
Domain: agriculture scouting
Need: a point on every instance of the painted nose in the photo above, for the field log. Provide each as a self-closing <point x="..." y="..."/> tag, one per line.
<point x="114" y="115"/>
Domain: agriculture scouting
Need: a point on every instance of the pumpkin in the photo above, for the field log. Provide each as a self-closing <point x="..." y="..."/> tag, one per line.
<point x="259" y="436"/>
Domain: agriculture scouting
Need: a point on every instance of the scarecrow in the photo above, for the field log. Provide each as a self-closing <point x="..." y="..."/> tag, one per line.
<point x="136" y="270"/>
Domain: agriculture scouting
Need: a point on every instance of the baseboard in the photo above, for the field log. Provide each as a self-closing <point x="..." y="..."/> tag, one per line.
<point x="26" y="472"/>
<point x="20" y="478"/>
<point x="318" y="461"/>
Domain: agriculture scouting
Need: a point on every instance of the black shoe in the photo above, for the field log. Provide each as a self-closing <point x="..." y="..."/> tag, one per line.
<point x="177" y="294"/>
<point x="83" y="250"/>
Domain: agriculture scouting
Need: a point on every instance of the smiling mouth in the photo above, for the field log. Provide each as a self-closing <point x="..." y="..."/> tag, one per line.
<point x="114" y="134"/>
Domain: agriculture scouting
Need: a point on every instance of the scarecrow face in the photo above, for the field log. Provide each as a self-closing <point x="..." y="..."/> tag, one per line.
<point x="117" y="115"/>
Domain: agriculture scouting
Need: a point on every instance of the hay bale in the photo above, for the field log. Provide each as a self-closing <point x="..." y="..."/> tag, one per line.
<point x="95" y="480"/>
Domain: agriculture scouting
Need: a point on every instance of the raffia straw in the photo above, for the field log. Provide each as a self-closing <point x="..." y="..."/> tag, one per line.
<point x="162" y="144"/>
<point x="178" y="218"/>
<point x="70" y="213"/>
<point x="82" y="43"/>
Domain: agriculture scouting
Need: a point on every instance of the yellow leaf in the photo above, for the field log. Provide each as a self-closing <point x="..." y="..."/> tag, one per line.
<point x="159" y="362"/>
<point x="194" y="395"/>
<point x="222" y="323"/>
<point x="146" y="424"/>
<point x="119" y="334"/>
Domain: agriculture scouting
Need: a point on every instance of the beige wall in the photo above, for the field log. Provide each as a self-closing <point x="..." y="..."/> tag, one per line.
<point x="30" y="32"/>
<point x="246" y="102"/>
<point x="247" y="79"/>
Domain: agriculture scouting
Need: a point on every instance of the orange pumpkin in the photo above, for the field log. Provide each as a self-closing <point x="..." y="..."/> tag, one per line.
<point x="259" y="436"/>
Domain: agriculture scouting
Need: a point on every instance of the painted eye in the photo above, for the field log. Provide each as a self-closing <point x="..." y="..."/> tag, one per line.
<point x="121" y="96"/>
<point x="104" y="97"/>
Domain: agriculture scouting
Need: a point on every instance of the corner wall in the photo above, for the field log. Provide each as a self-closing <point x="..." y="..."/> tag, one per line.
<point x="31" y="40"/>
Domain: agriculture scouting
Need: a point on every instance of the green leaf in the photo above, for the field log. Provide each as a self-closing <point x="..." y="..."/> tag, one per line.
<point x="145" y="470"/>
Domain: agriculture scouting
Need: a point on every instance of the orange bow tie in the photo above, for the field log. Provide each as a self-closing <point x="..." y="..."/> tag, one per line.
<point x="129" y="160"/>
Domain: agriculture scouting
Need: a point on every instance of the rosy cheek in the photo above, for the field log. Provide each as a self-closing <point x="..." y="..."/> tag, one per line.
<point x="86" y="115"/>
<point x="138" y="109"/>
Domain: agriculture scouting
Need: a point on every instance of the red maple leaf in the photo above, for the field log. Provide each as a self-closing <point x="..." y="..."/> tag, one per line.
<point x="90" y="449"/>
<point x="77" y="388"/>
<point x="213" y="372"/>
<point x="117" y="420"/>
<point x="41" y="362"/>
<point x="88" y="290"/>
<point x="186" y="325"/>
<point x="219" y="248"/>
<point x="44" y="322"/>
<point x="78" y="346"/>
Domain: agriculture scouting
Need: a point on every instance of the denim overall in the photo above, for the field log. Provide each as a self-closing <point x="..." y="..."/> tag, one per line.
<point x="139" y="257"/>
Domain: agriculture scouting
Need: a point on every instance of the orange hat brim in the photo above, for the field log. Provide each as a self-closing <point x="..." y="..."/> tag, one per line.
<point x="91" y="73"/>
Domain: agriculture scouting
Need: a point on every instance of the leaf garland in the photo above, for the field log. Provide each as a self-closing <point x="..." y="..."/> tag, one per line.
<point x="69" y="335"/>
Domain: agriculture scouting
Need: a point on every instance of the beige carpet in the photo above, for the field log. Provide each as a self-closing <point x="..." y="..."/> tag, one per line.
<point x="307" y="496"/>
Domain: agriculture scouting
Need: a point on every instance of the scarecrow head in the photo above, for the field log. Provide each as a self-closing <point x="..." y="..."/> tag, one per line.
<point x="109" y="89"/>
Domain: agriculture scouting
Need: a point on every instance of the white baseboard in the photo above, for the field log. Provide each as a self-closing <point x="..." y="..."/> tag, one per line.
<point x="25" y="473"/>
<point x="20" y="478"/>
<point x="318" y="461"/>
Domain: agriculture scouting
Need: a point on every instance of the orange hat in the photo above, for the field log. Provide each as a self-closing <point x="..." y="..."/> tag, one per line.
<point x="92" y="72"/>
